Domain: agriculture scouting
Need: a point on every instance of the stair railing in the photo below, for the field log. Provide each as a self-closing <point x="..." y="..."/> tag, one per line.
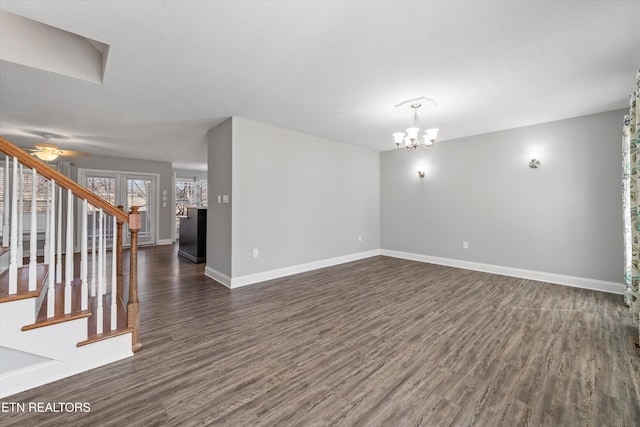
<point x="93" y="280"/>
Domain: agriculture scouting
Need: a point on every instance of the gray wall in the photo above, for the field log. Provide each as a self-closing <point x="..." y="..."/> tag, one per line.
<point x="219" y="182"/>
<point x="299" y="198"/>
<point x="163" y="169"/>
<point x="563" y="218"/>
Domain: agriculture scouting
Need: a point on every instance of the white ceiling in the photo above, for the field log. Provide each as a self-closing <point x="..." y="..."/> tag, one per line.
<point x="334" y="69"/>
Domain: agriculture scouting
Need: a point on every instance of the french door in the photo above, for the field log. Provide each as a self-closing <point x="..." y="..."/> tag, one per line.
<point x="126" y="189"/>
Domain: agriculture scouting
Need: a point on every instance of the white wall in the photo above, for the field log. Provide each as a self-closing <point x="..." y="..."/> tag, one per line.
<point x="563" y="218"/>
<point x="299" y="198"/>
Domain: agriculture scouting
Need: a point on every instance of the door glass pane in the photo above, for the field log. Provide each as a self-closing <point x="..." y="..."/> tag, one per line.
<point x="104" y="187"/>
<point x="138" y="194"/>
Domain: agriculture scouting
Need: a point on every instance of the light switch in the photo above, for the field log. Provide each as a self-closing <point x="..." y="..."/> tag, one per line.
<point x="219" y="199"/>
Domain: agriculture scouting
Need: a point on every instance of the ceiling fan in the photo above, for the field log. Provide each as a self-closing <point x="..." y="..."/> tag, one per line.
<point x="48" y="152"/>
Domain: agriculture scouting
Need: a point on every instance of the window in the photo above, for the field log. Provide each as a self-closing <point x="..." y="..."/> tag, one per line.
<point x="190" y="193"/>
<point x="42" y="193"/>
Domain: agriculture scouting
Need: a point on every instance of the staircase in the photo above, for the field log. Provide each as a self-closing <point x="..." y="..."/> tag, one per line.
<point x="65" y="306"/>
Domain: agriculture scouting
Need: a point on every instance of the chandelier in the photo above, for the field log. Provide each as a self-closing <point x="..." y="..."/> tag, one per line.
<point x="410" y="141"/>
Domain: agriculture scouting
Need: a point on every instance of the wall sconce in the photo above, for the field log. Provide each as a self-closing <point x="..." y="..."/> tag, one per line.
<point x="421" y="171"/>
<point x="534" y="163"/>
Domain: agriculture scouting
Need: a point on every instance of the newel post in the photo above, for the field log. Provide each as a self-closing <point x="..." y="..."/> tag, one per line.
<point x="133" y="307"/>
<point x="119" y="274"/>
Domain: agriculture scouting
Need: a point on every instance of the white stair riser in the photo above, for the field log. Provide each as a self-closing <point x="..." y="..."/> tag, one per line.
<point x="92" y="356"/>
<point x="56" y="341"/>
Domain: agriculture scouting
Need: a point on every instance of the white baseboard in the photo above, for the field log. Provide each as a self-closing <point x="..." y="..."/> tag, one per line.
<point x="217" y="276"/>
<point x="161" y="242"/>
<point x="250" y="279"/>
<point x="559" y="279"/>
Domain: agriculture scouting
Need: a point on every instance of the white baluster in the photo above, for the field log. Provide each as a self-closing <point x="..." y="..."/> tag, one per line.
<point x="46" y="228"/>
<point x="94" y="282"/>
<point x="13" y="251"/>
<point x="20" y="218"/>
<point x="33" y="236"/>
<point x="114" y="277"/>
<point x="6" y="205"/>
<point x="51" y="291"/>
<point x="99" y="312"/>
<point x="104" y="254"/>
<point x="59" y="240"/>
<point x="84" y="257"/>
<point x="68" y="259"/>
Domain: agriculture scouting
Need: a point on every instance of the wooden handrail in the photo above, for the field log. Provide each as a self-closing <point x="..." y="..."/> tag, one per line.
<point x="63" y="181"/>
<point x="132" y="219"/>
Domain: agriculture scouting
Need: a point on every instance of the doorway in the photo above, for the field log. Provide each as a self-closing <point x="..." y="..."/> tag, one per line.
<point x="126" y="189"/>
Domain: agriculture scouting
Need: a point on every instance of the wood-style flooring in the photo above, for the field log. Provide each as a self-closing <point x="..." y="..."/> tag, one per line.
<point x="377" y="342"/>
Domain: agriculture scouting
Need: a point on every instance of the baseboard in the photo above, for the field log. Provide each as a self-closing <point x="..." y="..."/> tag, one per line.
<point x="217" y="276"/>
<point x="558" y="279"/>
<point x="250" y="279"/>
<point x="161" y="242"/>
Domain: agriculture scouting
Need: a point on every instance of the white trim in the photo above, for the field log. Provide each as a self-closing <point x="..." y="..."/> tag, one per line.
<point x="558" y="279"/>
<point x="250" y="279"/>
<point x="161" y="242"/>
<point x="217" y="276"/>
<point x="174" y="219"/>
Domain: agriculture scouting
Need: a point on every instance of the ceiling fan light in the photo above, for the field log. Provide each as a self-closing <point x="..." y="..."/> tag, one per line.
<point x="46" y="156"/>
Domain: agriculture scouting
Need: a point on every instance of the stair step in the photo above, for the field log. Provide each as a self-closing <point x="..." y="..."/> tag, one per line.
<point x="104" y="336"/>
<point x="3" y="250"/>
<point x="23" y="284"/>
<point x="77" y="313"/>
<point x="57" y="319"/>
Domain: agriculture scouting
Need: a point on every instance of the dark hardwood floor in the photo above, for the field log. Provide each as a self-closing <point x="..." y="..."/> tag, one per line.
<point x="378" y="342"/>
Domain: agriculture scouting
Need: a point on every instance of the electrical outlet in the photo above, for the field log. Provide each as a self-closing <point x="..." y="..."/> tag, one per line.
<point x="465" y="245"/>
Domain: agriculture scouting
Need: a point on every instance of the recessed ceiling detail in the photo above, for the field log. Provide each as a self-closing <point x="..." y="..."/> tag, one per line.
<point x="34" y="44"/>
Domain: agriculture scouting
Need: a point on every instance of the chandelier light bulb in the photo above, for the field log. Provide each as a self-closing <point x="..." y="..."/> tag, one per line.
<point x="398" y="137"/>
<point x="412" y="133"/>
<point x="431" y="135"/>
